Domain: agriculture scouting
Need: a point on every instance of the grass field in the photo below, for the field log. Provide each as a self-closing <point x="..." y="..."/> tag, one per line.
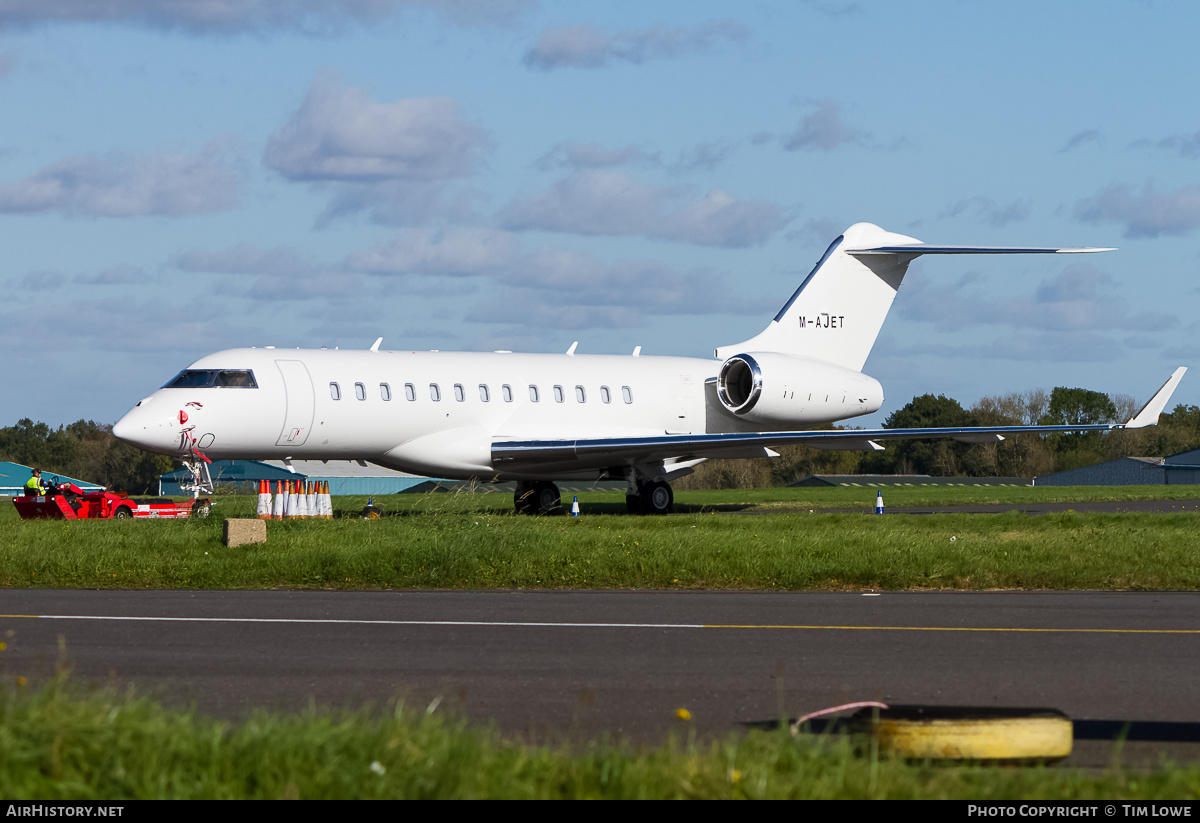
<point x="784" y="539"/>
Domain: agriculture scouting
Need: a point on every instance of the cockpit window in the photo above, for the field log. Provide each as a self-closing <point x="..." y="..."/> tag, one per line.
<point x="237" y="379"/>
<point x="210" y="378"/>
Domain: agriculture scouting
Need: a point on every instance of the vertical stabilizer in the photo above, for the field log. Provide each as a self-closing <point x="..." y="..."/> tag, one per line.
<point x="836" y="313"/>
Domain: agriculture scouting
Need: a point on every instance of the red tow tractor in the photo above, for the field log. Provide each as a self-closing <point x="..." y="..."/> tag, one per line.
<point x="66" y="501"/>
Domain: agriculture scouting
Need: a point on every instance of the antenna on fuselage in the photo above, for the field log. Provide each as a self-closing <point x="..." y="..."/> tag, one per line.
<point x="571" y="351"/>
<point x="637" y="351"/>
<point x="375" y="345"/>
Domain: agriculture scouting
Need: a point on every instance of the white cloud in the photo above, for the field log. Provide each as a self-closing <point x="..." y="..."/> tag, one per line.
<point x="817" y="231"/>
<point x="562" y="290"/>
<point x="166" y="182"/>
<point x="398" y="161"/>
<point x="459" y="252"/>
<point x="611" y="203"/>
<point x="990" y="212"/>
<point x="551" y="287"/>
<point x="278" y="273"/>
<point x="1082" y="138"/>
<point x="118" y="324"/>
<point x="594" y="156"/>
<point x="1148" y="213"/>
<point x="238" y="16"/>
<point x="586" y="46"/>
<point x="340" y="134"/>
<point x="823" y="129"/>
<point x="1185" y="145"/>
<point x="835" y="9"/>
<point x="120" y="275"/>
<point x="704" y="156"/>
<point x="243" y="259"/>
<point x="1079" y="299"/>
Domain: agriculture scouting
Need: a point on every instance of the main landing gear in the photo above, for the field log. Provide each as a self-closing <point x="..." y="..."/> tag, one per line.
<point x="653" y="497"/>
<point x="537" y="497"/>
<point x="541" y="497"/>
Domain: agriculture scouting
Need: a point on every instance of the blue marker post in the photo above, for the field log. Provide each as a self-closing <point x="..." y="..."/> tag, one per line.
<point x="575" y="506"/>
<point x="879" y="502"/>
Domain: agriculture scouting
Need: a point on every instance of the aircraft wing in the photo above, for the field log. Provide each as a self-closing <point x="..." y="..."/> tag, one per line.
<point x="609" y="451"/>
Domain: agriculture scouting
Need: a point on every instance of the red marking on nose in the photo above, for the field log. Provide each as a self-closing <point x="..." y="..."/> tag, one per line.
<point x="182" y="417"/>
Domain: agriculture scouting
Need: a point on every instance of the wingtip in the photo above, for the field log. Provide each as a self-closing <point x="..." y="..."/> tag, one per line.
<point x="1149" y="413"/>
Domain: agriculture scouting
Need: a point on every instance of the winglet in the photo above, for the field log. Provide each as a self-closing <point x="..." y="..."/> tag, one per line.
<point x="1148" y="416"/>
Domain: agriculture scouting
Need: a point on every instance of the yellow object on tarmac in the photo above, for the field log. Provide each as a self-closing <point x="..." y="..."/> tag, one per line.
<point x="969" y="733"/>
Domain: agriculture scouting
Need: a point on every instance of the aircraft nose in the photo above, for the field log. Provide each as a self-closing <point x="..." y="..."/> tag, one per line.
<point x="149" y="429"/>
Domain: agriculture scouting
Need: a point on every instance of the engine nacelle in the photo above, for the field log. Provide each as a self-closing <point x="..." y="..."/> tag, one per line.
<point x="785" y="390"/>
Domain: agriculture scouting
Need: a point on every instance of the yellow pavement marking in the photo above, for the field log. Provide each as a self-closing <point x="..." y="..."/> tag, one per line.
<point x="582" y="625"/>
<point x="956" y="629"/>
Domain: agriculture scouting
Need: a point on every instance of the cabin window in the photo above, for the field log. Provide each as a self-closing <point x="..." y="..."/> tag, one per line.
<point x="385" y="391"/>
<point x="558" y="394"/>
<point x="605" y="395"/>
<point x="506" y="393"/>
<point x="410" y="391"/>
<point x="435" y="393"/>
<point x="580" y="394"/>
<point x="484" y="394"/>
<point x="460" y="394"/>
<point x="360" y="391"/>
<point x="335" y="391"/>
<point x="533" y="394"/>
<point x="627" y="394"/>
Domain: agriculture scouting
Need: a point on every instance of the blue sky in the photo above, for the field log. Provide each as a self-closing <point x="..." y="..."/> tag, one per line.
<point x="183" y="176"/>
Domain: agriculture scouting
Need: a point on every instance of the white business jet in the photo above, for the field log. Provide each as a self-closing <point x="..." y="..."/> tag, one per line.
<point x="537" y="418"/>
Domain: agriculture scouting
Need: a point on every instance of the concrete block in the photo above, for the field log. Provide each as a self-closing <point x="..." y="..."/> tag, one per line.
<point x="241" y="532"/>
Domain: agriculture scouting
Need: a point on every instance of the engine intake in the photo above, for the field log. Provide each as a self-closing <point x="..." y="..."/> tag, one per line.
<point x="740" y="383"/>
<point x="785" y="390"/>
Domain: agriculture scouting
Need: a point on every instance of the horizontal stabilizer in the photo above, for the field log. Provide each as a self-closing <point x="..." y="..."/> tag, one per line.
<point x="926" y="248"/>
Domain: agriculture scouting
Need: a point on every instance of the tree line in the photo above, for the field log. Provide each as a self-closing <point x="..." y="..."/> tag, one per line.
<point x="1025" y="455"/>
<point x="84" y="450"/>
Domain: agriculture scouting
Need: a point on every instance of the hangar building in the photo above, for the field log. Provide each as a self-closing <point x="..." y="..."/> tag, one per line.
<point x="14" y="476"/>
<point x="344" y="477"/>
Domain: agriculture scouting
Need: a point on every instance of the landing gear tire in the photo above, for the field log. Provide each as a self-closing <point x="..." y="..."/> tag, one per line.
<point x="656" y="498"/>
<point x="539" y="498"/>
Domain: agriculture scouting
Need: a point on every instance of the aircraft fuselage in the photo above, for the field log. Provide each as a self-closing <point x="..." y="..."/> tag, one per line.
<point x="438" y="413"/>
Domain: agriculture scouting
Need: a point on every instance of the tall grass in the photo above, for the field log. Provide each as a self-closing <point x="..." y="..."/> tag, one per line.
<point x="60" y="743"/>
